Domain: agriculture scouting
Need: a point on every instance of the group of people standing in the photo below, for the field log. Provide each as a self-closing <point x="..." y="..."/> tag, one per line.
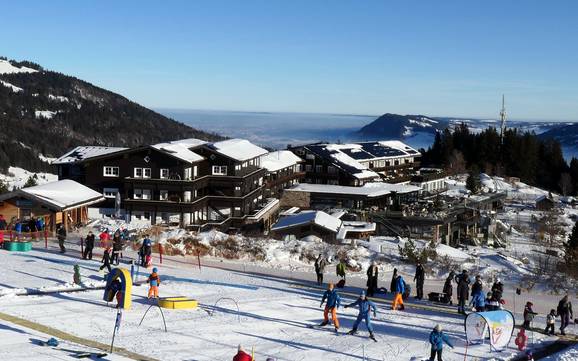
<point x="31" y="225"/>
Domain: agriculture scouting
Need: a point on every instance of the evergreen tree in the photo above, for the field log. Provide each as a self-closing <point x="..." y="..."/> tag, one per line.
<point x="31" y="182"/>
<point x="473" y="183"/>
<point x="572" y="244"/>
<point x="3" y="187"/>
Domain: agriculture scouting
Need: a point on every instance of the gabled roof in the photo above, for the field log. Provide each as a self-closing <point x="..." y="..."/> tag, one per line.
<point x="83" y="153"/>
<point x="238" y="149"/>
<point x="278" y="160"/>
<point x="318" y="218"/>
<point x="181" y="149"/>
<point x="58" y="196"/>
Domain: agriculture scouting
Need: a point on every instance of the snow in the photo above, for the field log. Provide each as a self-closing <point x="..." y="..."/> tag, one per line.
<point x="46" y="114"/>
<point x="453" y="253"/>
<point x="372" y="189"/>
<point x="180" y="149"/>
<point x="14" y="88"/>
<point x="17" y="177"/>
<point x="569" y="354"/>
<point x="319" y="218"/>
<point x="59" y="98"/>
<point x="278" y="160"/>
<point x="7" y="68"/>
<point x="239" y="149"/>
<point x="82" y="153"/>
<point x="63" y="194"/>
<point x="46" y="159"/>
<point x="363" y="171"/>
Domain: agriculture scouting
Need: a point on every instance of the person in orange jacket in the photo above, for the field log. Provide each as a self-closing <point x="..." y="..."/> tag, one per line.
<point x="154" y="282"/>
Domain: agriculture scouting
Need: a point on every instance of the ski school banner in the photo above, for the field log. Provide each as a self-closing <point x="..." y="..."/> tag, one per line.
<point x="497" y="326"/>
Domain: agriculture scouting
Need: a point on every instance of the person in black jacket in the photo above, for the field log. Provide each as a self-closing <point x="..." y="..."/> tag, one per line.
<point x="448" y="289"/>
<point x="372" y="276"/>
<point x="61" y="234"/>
<point x="106" y="260"/>
<point x="497" y="290"/>
<point x="116" y="247"/>
<point x="565" y="312"/>
<point x="463" y="281"/>
<point x="393" y="279"/>
<point x="88" y="246"/>
<point x="419" y="279"/>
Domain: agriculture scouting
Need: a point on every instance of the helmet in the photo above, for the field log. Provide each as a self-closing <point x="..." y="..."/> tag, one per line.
<point x="155" y="270"/>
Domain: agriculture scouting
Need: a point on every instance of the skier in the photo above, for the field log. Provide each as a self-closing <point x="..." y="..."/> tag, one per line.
<point x="372" y="275"/>
<point x="340" y="269"/>
<point x="154" y="282"/>
<point x="365" y="306"/>
<point x="88" y="245"/>
<point x="116" y="247"/>
<point x="146" y="250"/>
<point x="399" y="289"/>
<point x="550" y="323"/>
<point x="491" y="303"/>
<point x="393" y="278"/>
<point x="104" y="237"/>
<point x="565" y="312"/>
<point x="463" y="281"/>
<point x="437" y="339"/>
<point x="106" y="260"/>
<point x="448" y="289"/>
<point x="528" y="315"/>
<point x="478" y="295"/>
<point x="498" y="290"/>
<point x="333" y="303"/>
<point x="419" y="279"/>
<point x="61" y="233"/>
<point x="320" y="264"/>
<point x="242" y="355"/>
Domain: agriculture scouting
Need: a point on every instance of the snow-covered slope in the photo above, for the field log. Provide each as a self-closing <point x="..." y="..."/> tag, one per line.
<point x="17" y="177"/>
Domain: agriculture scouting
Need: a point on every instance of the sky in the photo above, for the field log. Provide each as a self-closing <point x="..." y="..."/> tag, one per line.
<point x="438" y="58"/>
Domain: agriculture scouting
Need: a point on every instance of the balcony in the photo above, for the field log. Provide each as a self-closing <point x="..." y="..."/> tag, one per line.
<point x="198" y="182"/>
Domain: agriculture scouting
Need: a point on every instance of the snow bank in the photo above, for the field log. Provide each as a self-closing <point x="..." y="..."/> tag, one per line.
<point x="46" y="114"/>
<point x="14" y="88"/>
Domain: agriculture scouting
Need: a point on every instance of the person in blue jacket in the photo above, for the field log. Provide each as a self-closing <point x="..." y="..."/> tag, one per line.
<point x="333" y="303"/>
<point x="437" y="339"/>
<point x="398" y="291"/>
<point x="365" y="306"/>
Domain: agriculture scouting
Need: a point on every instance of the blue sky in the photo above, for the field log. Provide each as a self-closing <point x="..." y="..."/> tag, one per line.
<point x="451" y="58"/>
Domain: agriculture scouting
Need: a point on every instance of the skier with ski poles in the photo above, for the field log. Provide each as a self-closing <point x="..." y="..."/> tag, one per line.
<point x="365" y="306"/>
<point x="333" y="303"/>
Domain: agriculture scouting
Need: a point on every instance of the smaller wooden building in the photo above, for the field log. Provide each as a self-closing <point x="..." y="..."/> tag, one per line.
<point x="63" y="201"/>
<point x="308" y="223"/>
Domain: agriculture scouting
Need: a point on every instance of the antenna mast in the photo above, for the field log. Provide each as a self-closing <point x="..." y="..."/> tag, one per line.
<point x="503" y="120"/>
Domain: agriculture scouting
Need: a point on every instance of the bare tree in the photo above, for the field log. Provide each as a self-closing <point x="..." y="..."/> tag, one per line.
<point x="550" y="227"/>
<point x="456" y="163"/>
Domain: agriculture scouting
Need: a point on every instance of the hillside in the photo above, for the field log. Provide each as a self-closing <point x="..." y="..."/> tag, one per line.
<point x="566" y="134"/>
<point x="400" y="126"/>
<point x="44" y="113"/>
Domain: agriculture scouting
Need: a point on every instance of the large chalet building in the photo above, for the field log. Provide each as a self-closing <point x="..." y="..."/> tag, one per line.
<point x="356" y="164"/>
<point x="189" y="182"/>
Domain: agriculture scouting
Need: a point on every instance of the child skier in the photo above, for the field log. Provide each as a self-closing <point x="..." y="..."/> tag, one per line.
<point x="365" y="306"/>
<point x="550" y="322"/>
<point x="528" y="315"/>
<point x="437" y="339"/>
<point x="333" y="303"/>
<point x="398" y="290"/>
<point x="154" y="282"/>
<point x="242" y="355"/>
<point x="106" y="260"/>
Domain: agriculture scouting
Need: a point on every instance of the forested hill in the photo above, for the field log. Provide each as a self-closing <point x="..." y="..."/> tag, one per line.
<point x="45" y="113"/>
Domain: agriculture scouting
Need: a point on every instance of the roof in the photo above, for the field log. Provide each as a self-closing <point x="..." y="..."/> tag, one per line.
<point x="181" y="149"/>
<point x="318" y="218"/>
<point x="59" y="196"/>
<point x="83" y="153"/>
<point x="238" y="149"/>
<point x="355" y="226"/>
<point x="278" y="160"/>
<point x="370" y="190"/>
<point x="348" y="156"/>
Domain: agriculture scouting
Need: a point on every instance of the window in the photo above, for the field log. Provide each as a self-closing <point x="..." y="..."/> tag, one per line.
<point x="310" y="156"/>
<point x="195" y="171"/>
<point x="308" y="167"/>
<point x="219" y="170"/>
<point x="142" y="172"/>
<point x="109" y="192"/>
<point x="237" y="166"/>
<point x="237" y="188"/>
<point x="109" y="171"/>
<point x="164" y="195"/>
<point x="260" y="181"/>
<point x="164" y="173"/>
<point x="142" y="194"/>
<point x="318" y="168"/>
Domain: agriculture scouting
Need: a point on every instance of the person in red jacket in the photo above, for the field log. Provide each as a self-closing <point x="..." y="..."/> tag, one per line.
<point x="242" y="355"/>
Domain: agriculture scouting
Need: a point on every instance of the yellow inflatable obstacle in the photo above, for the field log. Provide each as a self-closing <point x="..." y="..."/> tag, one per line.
<point x="178" y="302"/>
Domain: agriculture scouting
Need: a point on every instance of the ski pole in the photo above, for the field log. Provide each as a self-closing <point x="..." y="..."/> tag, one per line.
<point x="252" y="353"/>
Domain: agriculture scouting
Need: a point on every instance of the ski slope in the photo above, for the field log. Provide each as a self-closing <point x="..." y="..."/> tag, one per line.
<point x="275" y="316"/>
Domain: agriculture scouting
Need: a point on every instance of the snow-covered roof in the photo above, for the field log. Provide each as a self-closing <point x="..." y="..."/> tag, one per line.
<point x="82" y="153"/>
<point x="278" y="160"/>
<point x="60" y="195"/>
<point x="319" y="218"/>
<point x="373" y="189"/>
<point x="355" y="226"/>
<point x="181" y="149"/>
<point x="238" y="149"/>
<point x="7" y="68"/>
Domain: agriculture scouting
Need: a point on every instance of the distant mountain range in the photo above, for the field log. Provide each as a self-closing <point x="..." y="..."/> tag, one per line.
<point x="408" y="127"/>
<point x="44" y="113"/>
